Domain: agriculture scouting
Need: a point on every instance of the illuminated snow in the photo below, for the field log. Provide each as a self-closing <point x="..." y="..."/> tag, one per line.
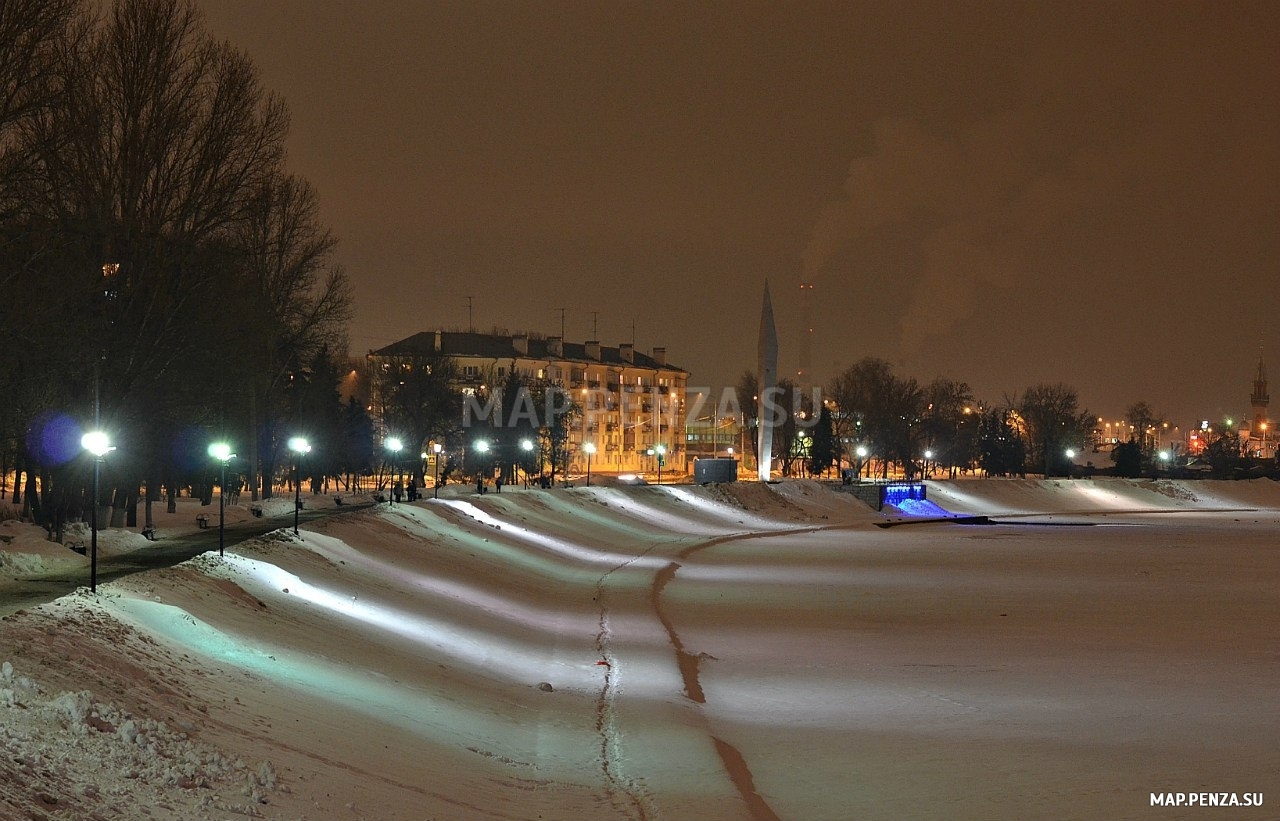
<point x="681" y="652"/>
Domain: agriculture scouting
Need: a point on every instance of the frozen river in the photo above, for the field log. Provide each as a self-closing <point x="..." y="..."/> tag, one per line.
<point x="749" y="652"/>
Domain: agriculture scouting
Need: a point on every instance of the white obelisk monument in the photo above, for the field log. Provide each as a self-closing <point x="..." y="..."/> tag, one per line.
<point x="766" y="390"/>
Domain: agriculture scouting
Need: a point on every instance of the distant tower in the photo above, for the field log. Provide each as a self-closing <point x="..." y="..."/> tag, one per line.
<point x="767" y="387"/>
<point x="804" y="376"/>
<point x="1259" y="401"/>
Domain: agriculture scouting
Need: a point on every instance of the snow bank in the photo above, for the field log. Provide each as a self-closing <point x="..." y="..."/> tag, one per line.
<point x="998" y="497"/>
<point x="73" y="756"/>
<point x="719" y="653"/>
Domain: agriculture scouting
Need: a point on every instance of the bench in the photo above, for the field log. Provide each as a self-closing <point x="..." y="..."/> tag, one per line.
<point x="149" y="533"/>
<point x="78" y="547"/>
<point x="202" y="521"/>
<point x="256" y="511"/>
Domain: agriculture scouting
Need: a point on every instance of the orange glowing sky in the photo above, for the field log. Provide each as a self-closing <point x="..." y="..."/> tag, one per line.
<point x="1001" y="193"/>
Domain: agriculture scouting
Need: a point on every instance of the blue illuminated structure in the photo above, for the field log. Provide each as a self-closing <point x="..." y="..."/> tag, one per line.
<point x="895" y="493"/>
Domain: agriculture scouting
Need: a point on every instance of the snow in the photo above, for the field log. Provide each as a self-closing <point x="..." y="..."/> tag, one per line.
<point x="742" y="651"/>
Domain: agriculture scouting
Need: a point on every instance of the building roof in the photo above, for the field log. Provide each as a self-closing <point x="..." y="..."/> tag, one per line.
<point x="500" y="346"/>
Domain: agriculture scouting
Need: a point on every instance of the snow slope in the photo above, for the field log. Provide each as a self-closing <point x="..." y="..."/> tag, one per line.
<point x="736" y="652"/>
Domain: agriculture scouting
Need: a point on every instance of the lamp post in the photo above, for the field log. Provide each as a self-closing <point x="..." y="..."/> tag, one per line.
<point x="526" y="445"/>
<point x="862" y="454"/>
<point x="97" y="443"/>
<point x="590" y="449"/>
<point x="222" y="452"/>
<point x="482" y="447"/>
<point x="435" y="490"/>
<point x="661" y="451"/>
<point x="394" y="445"/>
<point x="299" y="445"/>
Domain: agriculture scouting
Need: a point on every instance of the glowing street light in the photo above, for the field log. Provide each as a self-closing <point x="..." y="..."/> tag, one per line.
<point x="526" y="445"/>
<point x="395" y="446"/>
<point x="436" y="447"/>
<point x="222" y="452"/>
<point x="661" y="451"/>
<point x="97" y="443"/>
<point x="589" y="448"/>
<point x="299" y="445"/>
<point x="481" y="447"/>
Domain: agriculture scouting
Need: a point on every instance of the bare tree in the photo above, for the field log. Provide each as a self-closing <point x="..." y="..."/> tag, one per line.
<point x="161" y="135"/>
<point x="289" y="302"/>
<point x="420" y="399"/>
<point x="162" y="230"/>
<point x="1055" y="422"/>
<point x="31" y="32"/>
<point x="950" y="426"/>
<point x="881" y="410"/>
<point x="1145" y="420"/>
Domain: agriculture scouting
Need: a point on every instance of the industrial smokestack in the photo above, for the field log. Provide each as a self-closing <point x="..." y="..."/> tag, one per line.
<point x="804" y="377"/>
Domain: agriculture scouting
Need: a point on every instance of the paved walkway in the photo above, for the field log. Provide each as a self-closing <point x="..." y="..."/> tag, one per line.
<point x="20" y="594"/>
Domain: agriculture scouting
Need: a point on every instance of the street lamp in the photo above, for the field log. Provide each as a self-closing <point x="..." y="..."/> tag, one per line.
<point x="661" y="451"/>
<point x="526" y="445"/>
<point x="394" y="445"/>
<point x="482" y="447"/>
<point x="97" y="443"/>
<point x="436" y="448"/>
<point x="590" y="449"/>
<point x="222" y="452"/>
<point x="862" y="454"/>
<point x="299" y="445"/>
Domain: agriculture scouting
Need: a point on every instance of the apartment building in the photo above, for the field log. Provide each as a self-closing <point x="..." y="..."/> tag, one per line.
<point x="632" y="403"/>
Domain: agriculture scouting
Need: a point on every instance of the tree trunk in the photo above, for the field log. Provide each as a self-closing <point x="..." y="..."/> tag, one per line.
<point x="255" y="461"/>
<point x="31" y="501"/>
<point x="147" y="518"/>
<point x="170" y="492"/>
<point x="131" y="512"/>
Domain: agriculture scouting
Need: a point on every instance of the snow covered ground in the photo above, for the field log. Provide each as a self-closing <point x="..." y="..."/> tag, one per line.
<point x="692" y="654"/>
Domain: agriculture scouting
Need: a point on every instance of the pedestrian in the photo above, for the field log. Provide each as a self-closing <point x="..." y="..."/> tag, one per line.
<point x="479" y="484"/>
<point x="497" y="483"/>
<point x="397" y="490"/>
<point x="413" y="491"/>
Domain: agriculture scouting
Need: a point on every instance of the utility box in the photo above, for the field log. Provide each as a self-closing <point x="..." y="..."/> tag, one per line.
<point x="706" y="471"/>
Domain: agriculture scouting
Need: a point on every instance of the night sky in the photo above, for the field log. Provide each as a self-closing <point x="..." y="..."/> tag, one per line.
<point x="1000" y="193"/>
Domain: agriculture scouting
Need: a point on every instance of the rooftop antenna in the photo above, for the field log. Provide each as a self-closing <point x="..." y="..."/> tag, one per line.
<point x="633" y="332"/>
<point x="470" y="325"/>
<point x="561" y="310"/>
<point x="595" y="327"/>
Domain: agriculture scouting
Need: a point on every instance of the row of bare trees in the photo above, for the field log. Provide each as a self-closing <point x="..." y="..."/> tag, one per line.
<point x="905" y="425"/>
<point x="162" y="275"/>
